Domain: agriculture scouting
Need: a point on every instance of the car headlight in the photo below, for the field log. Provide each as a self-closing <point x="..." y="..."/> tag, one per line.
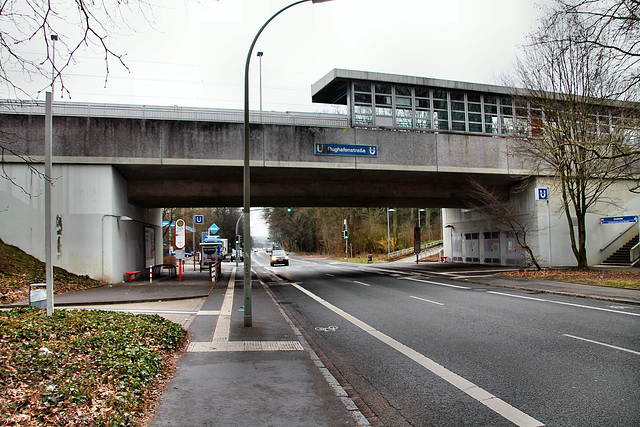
<point x="286" y="258"/>
<point x="273" y="258"/>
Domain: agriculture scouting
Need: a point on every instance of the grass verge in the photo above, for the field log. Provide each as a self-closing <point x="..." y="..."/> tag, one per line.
<point x="598" y="277"/>
<point x="18" y="270"/>
<point x="83" y="367"/>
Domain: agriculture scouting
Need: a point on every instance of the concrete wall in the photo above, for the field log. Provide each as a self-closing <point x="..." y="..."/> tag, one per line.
<point x="602" y="239"/>
<point x="88" y="239"/>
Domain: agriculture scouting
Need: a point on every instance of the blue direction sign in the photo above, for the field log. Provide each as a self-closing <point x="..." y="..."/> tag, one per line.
<point x="618" y="219"/>
<point x="345" y="150"/>
<point x="198" y="219"/>
<point x="213" y="229"/>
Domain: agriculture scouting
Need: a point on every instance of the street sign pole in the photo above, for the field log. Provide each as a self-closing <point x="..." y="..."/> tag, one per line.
<point x="542" y="193"/>
<point x="549" y="227"/>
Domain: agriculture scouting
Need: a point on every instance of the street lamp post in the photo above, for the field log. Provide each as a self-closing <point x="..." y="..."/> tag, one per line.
<point x="48" y="154"/>
<point x="248" y="317"/>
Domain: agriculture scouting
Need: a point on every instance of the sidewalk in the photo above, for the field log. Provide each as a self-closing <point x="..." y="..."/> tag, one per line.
<point x="264" y="375"/>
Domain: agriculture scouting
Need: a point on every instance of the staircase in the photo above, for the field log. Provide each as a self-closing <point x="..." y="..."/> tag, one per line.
<point x="622" y="255"/>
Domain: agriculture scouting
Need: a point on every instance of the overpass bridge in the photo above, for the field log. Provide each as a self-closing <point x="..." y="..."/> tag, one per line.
<point x="405" y="142"/>
<point x="178" y="157"/>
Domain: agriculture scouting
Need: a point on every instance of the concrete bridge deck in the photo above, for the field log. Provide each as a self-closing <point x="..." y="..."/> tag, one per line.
<point x="193" y="157"/>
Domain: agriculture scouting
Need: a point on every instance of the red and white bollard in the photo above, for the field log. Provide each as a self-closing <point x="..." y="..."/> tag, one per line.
<point x="150" y="274"/>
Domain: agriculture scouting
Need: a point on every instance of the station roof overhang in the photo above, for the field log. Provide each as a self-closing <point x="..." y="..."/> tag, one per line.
<point x="332" y="88"/>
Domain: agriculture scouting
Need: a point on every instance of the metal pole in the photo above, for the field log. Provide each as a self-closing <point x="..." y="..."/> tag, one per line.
<point x="193" y="250"/>
<point x="346" y="240"/>
<point x="48" y="140"/>
<point x="388" y="238"/>
<point x="236" y="237"/>
<point x="549" y="232"/>
<point x="248" y="316"/>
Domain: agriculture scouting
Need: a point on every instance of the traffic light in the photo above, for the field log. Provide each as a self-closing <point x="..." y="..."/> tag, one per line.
<point x="288" y="209"/>
<point x="345" y="234"/>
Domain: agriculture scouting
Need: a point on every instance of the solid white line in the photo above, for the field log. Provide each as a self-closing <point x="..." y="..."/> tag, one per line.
<point x="426" y="300"/>
<point x="604" y="344"/>
<point x="497" y="405"/>
<point x="564" y="303"/>
<point x="361" y="283"/>
<point x="331" y="275"/>
<point x="435" y="283"/>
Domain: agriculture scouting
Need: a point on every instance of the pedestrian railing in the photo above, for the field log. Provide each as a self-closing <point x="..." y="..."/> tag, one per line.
<point x="405" y="252"/>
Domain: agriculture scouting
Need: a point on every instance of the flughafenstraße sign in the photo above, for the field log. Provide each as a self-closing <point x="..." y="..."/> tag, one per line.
<point x="345" y="150"/>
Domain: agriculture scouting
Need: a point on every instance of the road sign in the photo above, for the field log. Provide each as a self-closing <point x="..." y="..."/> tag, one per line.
<point x="181" y="233"/>
<point x="198" y="219"/>
<point x="213" y="229"/>
<point x="345" y="150"/>
<point x="618" y="219"/>
<point x="542" y="193"/>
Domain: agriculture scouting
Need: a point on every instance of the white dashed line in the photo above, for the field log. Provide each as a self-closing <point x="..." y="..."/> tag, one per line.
<point x="426" y="300"/>
<point x="436" y="283"/>
<point x="563" y="303"/>
<point x="603" y="344"/>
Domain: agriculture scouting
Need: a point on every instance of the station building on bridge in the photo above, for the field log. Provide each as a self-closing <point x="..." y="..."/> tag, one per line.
<point x="485" y="113"/>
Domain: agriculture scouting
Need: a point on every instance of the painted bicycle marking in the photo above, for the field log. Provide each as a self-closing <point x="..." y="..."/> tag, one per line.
<point x="326" y="328"/>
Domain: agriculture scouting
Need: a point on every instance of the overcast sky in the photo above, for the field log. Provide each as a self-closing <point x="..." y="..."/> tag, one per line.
<point x="193" y="53"/>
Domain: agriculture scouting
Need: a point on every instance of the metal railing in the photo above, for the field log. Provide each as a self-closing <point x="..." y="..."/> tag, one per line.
<point x="148" y="112"/>
<point x="404" y="252"/>
<point x="622" y="233"/>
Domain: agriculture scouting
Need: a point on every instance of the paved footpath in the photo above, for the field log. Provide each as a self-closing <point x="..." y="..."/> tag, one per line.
<point x="266" y="375"/>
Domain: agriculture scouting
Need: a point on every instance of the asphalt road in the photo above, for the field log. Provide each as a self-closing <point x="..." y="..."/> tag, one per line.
<point x="429" y="351"/>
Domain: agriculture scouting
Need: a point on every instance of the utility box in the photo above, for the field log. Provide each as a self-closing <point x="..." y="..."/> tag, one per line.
<point x="38" y="295"/>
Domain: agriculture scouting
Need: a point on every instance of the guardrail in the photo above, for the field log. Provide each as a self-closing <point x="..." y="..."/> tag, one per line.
<point x="77" y="109"/>
<point x="404" y="252"/>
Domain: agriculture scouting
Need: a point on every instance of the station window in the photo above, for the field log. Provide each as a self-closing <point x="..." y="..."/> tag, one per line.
<point x="423" y="108"/>
<point x="404" y="107"/>
<point x="474" y="107"/>
<point x="458" y="111"/>
<point x="507" y="122"/>
<point x="362" y="109"/>
<point x="383" y="105"/>
<point x="440" y="110"/>
<point x="490" y="114"/>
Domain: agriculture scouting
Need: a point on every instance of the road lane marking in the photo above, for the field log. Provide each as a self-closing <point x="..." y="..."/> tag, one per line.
<point x="361" y="283"/>
<point x="603" y="344"/>
<point x="435" y="283"/>
<point x="492" y="402"/>
<point x="426" y="300"/>
<point x="330" y="275"/>
<point x="563" y="303"/>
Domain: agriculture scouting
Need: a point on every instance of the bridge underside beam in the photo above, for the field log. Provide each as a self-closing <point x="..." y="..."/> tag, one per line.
<point x="203" y="186"/>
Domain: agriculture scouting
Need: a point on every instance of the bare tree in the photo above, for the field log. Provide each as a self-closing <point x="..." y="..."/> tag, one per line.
<point x="580" y="121"/>
<point x="612" y="25"/>
<point x="507" y="214"/>
<point x="27" y="50"/>
<point x="27" y="47"/>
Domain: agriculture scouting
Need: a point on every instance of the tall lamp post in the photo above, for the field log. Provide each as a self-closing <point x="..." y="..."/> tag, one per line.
<point x="48" y="154"/>
<point x="248" y="317"/>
